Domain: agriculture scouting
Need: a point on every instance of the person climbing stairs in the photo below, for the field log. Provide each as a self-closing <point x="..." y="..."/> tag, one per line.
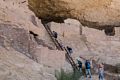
<point x="59" y="47"/>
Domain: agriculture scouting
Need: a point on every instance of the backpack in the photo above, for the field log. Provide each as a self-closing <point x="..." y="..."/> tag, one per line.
<point x="55" y="34"/>
<point x="79" y="64"/>
<point x="69" y="49"/>
<point x="87" y="65"/>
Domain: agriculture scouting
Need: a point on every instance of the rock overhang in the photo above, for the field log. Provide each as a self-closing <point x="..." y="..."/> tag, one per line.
<point x="97" y="14"/>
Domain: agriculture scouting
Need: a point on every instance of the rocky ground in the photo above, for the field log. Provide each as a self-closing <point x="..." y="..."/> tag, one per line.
<point x="94" y="77"/>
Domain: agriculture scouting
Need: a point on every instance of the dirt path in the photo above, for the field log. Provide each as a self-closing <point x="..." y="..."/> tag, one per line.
<point x="94" y="77"/>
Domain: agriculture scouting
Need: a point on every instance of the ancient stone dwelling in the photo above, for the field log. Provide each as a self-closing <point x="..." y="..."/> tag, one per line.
<point x="28" y="51"/>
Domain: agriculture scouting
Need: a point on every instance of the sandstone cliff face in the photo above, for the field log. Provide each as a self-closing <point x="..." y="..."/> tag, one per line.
<point x="17" y="38"/>
<point x="93" y="13"/>
<point x="21" y="33"/>
<point x="16" y="66"/>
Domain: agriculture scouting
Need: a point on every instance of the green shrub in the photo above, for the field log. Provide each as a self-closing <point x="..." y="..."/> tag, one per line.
<point x="68" y="76"/>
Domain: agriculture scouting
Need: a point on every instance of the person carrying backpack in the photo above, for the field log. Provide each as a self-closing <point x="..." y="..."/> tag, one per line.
<point x="79" y="65"/>
<point x="88" y="69"/>
<point x="79" y="62"/>
<point x="69" y="49"/>
<point x="55" y="35"/>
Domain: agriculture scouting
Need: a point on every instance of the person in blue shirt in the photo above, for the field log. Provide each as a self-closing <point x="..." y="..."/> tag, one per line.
<point x="88" y="69"/>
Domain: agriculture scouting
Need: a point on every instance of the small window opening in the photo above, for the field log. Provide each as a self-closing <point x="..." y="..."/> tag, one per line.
<point x="110" y="31"/>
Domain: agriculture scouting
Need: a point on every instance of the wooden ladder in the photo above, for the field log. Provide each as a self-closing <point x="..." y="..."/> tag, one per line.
<point x="59" y="47"/>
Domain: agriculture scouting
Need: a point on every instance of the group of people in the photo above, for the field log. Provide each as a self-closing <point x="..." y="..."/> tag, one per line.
<point x="69" y="49"/>
<point x="87" y="63"/>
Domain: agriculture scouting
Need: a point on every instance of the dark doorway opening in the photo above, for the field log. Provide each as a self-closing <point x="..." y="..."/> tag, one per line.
<point x="110" y="31"/>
